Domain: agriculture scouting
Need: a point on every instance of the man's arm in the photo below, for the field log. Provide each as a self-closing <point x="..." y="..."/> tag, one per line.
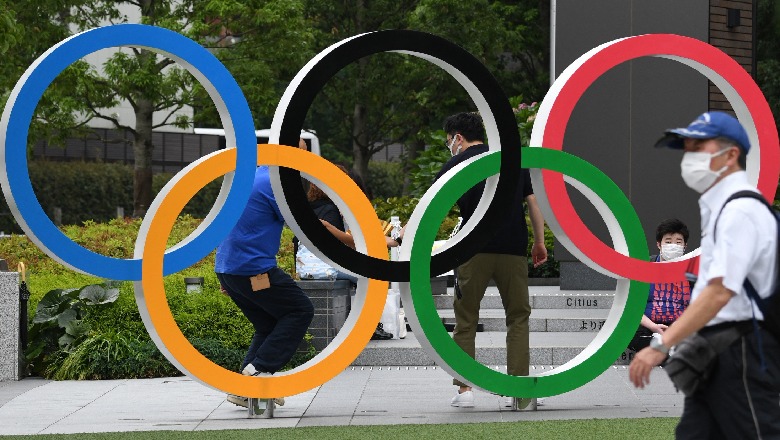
<point x="538" y="251"/>
<point x="711" y="300"/>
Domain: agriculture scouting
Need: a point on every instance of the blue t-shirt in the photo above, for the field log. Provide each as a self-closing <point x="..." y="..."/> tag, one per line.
<point x="252" y="245"/>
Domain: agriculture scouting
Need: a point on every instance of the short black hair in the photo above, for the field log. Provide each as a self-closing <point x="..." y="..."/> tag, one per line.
<point x="671" y="226"/>
<point x="468" y="124"/>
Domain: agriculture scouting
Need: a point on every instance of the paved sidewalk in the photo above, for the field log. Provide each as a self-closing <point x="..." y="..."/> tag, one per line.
<point x="358" y="396"/>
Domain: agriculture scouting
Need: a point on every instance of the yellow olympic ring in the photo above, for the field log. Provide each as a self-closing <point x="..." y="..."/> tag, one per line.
<point x="150" y="291"/>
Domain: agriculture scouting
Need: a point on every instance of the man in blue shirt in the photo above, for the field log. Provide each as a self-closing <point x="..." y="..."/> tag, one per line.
<point x="246" y="268"/>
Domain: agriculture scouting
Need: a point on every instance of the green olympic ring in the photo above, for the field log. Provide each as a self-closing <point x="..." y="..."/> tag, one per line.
<point x="628" y="306"/>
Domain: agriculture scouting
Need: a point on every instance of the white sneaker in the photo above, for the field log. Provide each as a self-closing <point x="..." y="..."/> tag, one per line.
<point x="238" y="400"/>
<point x="463" y="400"/>
<point x="250" y="370"/>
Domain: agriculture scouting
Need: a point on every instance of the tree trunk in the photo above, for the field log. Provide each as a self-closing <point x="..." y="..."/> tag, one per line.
<point x="412" y="151"/>
<point x="360" y="151"/>
<point x="360" y="148"/>
<point x="142" y="149"/>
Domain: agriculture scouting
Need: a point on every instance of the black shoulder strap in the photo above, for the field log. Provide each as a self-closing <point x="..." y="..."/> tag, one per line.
<point x="751" y="291"/>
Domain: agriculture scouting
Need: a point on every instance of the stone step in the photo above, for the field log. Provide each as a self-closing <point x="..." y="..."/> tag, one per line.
<point x="541" y="320"/>
<point x="547" y="348"/>
<point x="541" y="297"/>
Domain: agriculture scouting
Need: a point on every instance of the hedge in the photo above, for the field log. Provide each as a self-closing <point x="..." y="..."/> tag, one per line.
<point x="117" y="345"/>
<point x="92" y="191"/>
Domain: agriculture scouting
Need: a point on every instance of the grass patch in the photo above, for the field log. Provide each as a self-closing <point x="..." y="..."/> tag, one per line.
<point x="602" y="429"/>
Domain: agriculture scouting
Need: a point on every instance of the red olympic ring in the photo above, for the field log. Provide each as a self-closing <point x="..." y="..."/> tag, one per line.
<point x="753" y="111"/>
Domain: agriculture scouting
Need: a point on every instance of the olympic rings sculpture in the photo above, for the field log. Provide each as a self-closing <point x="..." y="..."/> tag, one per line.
<point x="550" y="166"/>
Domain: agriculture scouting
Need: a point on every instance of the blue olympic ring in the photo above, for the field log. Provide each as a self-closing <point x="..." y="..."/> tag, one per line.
<point x="221" y="86"/>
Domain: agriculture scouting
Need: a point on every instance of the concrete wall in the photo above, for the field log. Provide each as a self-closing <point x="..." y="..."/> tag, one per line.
<point x="616" y="123"/>
<point x="9" y="326"/>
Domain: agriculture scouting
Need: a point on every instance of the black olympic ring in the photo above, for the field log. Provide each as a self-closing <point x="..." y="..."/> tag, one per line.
<point x="415" y="42"/>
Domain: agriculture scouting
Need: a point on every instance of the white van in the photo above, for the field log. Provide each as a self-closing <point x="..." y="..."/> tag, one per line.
<point x="312" y="141"/>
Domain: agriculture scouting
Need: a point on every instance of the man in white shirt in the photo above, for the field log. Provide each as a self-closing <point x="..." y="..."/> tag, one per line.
<point x="742" y="398"/>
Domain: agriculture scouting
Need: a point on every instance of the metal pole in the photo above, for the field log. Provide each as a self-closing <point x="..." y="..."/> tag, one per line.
<point x="24" y="296"/>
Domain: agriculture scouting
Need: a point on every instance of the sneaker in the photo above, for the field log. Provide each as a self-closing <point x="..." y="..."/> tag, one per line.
<point x="244" y="401"/>
<point x="238" y="400"/>
<point x="463" y="400"/>
<point x="381" y="334"/>
<point x="250" y="370"/>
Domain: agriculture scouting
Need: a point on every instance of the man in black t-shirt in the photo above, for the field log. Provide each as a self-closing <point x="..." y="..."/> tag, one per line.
<point x="503" y="258"/>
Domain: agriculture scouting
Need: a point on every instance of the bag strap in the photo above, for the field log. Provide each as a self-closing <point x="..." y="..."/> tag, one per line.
<point x="749" y="288"/>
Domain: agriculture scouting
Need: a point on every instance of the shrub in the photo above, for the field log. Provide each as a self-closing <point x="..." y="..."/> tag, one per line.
<point x="403" y="208"/>
<point x="114" y="343"/>
<point x="89" y="191"/>
<point x="428" y="163"/>
<point x="60" y="321"/>
<point x="385" y="179"/>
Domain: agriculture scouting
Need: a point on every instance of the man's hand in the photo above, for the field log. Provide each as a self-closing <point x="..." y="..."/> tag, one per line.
<point x="538" y="254"/>
<point x="643" y="363"/>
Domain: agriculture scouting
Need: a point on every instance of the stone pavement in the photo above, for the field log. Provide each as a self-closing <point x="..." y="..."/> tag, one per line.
<point x="358" y="396"/>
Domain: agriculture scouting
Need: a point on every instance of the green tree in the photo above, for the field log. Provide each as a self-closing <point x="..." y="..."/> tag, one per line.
<point x="151" y="83"/>
<point x="29" y="28"/>
<point x="392" y="98"/>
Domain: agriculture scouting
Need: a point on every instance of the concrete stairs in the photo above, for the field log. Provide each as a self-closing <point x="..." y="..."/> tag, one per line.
<point x="562" y="323"/>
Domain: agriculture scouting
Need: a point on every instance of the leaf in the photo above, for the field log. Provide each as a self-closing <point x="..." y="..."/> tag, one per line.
<point x="95" y="294"/>
<point x="65" y="340"/>
<point x="77" y="328"/>
<point x="65" y="318"/>
<point x="50" y="306"/>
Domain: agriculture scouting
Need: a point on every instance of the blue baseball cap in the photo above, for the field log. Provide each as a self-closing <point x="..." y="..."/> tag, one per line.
<point x="707" y="126"/>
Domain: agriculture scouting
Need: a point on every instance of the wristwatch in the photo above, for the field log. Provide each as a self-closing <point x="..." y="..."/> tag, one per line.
<point x="657" y="343"/>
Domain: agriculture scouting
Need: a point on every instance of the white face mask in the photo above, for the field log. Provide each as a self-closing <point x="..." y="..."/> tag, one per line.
<point x="670" y="251"/>
<point x="696" y="172"/>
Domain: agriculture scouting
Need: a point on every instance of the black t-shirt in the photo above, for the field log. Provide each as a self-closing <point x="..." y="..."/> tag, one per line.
<point x="512" y="235"/>
<point x="326" y="210"/>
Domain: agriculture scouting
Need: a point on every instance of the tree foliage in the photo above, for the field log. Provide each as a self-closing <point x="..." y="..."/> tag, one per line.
<point x="391" y="98"/>
<point x="263" y="40"/>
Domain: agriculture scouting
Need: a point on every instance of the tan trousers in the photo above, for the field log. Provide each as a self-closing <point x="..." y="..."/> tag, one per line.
<point x="510" y="273"/>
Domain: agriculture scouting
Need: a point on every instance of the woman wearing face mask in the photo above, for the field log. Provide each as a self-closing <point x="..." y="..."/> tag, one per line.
<point x="665" y="301"/>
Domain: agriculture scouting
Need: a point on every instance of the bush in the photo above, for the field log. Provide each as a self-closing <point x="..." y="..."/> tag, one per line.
<point x="114" y="343"/>
<point x="385" y="179"/>
<point x="428" y="163"/>
<point x="403" y="208"/>
<point x="89" y="191"/>
<point x="60" y="321"/>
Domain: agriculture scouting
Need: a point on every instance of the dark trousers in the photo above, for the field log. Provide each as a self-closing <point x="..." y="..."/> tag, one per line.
<point x="280" y="314"/>
<point x="741" y="401"/>
<point x="510" y="273"/>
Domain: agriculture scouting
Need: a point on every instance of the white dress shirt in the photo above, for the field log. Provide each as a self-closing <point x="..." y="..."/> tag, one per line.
<point x="745" y="246"/>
